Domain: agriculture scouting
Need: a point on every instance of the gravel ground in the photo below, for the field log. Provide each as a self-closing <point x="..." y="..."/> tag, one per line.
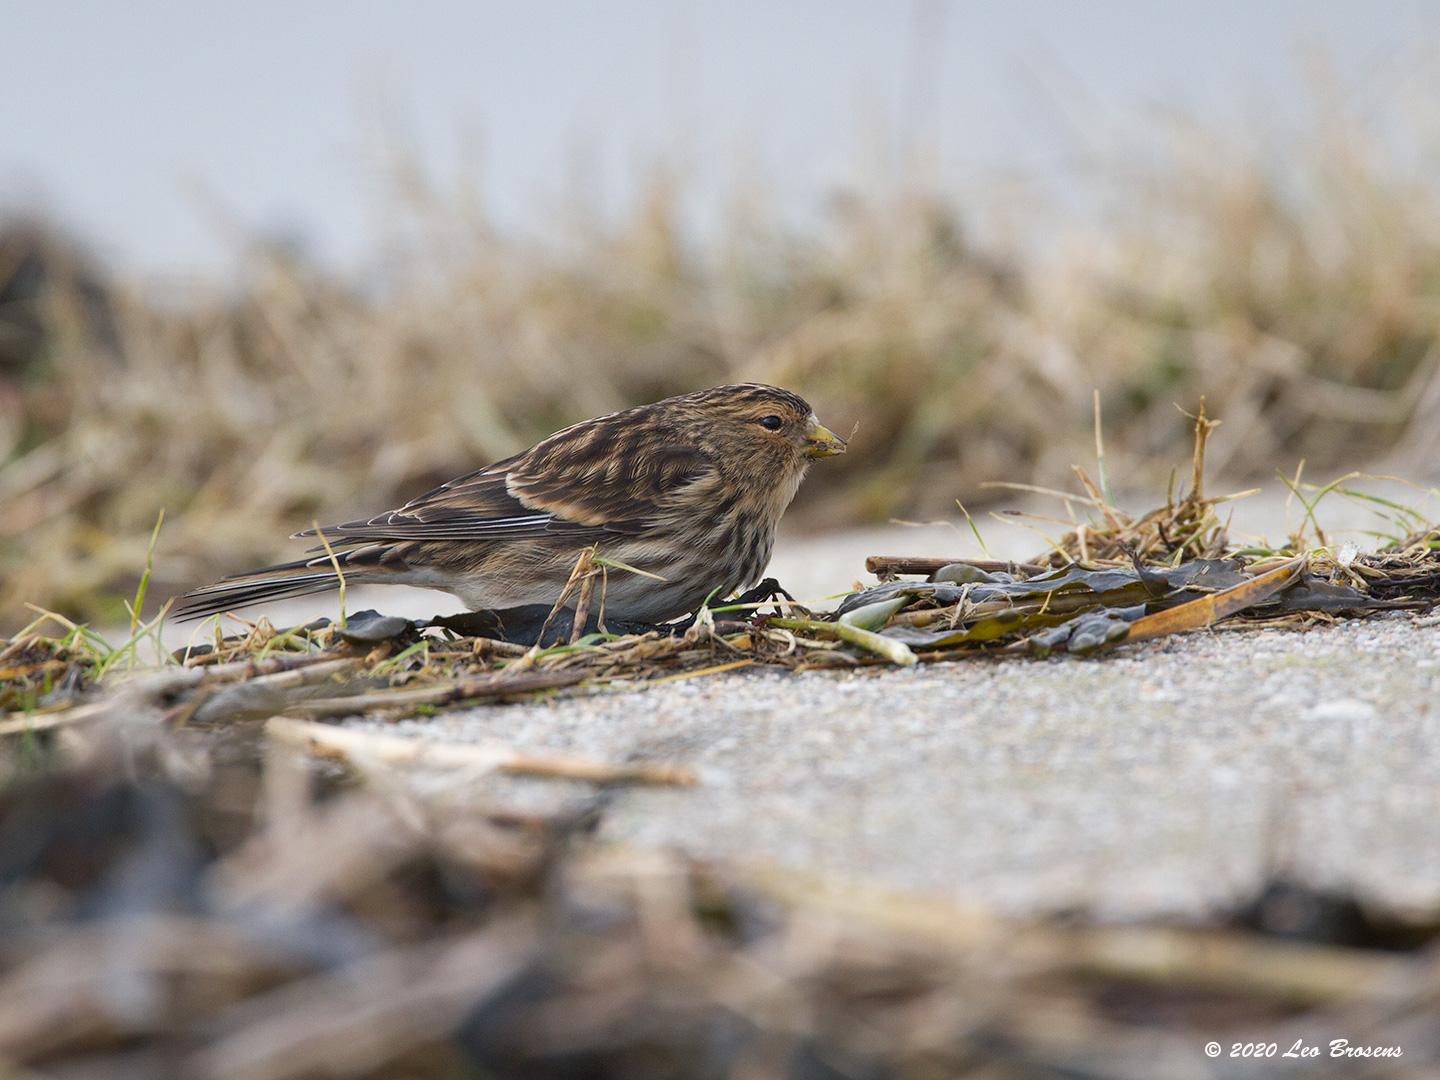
<point x="1163" y="779"/>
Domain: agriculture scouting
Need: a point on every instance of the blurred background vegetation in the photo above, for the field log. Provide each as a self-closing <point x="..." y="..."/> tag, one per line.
<point x="1289" y="274"/>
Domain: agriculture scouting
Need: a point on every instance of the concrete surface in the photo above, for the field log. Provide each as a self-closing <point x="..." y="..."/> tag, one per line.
<point x="1165" y="778"/>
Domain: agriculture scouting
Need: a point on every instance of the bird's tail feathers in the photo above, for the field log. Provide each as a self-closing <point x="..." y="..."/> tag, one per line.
<point x="281" y="582"/>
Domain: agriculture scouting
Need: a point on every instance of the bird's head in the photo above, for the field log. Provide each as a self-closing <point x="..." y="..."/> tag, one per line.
<point x="766" y="426"/>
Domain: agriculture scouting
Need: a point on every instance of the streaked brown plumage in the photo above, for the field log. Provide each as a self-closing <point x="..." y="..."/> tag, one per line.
<point x="689" y="489"/>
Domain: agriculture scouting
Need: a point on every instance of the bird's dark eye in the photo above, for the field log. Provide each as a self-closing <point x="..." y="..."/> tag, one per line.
<point x="773" y="423"/>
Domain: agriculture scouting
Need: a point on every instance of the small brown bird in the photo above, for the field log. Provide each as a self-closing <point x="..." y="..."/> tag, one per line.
<point x="688" y="490"/>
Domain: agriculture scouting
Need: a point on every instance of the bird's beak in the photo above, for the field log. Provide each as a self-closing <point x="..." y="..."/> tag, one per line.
<point x="820" y="441"/>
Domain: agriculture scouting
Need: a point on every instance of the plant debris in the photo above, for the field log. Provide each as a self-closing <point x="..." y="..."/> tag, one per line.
<point x="1112" y="579"/>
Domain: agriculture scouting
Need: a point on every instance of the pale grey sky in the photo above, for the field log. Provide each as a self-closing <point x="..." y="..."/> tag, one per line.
<point x="118" y="111"/>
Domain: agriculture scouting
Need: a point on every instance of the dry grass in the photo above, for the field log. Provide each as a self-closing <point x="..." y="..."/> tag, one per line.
<point x="1298" y="288"/>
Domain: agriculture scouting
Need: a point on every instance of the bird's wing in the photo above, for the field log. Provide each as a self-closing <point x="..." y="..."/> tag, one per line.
<point x="593" y="478"/>
<point x="618" y="473"/>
